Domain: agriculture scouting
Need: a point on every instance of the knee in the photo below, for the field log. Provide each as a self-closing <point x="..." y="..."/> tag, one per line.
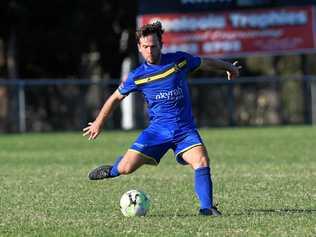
<point x="126" y="169"/>
<point x="200" y="162"/>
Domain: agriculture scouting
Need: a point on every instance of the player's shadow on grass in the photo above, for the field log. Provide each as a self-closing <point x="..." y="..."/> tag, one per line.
<point x="279" y="211"/>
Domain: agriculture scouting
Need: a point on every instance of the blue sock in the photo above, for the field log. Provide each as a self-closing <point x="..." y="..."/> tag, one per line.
<point x="114" y="171"/>
<point x="204" y="187"/>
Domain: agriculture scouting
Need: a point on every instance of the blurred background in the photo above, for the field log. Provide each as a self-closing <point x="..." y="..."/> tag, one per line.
<point x="60" y="60"/>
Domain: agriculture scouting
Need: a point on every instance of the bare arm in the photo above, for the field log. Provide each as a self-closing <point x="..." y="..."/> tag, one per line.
<point x="211" y="64"/>
<point x="94" y="128"/>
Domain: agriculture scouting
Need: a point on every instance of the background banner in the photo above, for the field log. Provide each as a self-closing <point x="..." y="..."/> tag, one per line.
<point x="239" y="32"/>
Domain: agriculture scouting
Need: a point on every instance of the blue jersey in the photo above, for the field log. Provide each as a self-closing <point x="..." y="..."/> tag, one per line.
<point x="165" y="88"/>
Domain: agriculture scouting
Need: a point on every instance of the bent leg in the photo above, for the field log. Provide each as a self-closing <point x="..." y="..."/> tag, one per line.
<point x="131" y="161"/>
<point x="148" y="148"/>
<point x="126" y="164"/>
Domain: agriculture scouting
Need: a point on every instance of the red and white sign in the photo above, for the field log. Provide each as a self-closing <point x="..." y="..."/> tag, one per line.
<point x="237" y="33"/>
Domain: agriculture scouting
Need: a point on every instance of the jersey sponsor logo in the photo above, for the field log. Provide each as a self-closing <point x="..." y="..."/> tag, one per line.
<point x="174" y="94"/>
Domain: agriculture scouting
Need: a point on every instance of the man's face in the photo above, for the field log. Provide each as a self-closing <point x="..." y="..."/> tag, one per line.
<point x="150" y="48"/>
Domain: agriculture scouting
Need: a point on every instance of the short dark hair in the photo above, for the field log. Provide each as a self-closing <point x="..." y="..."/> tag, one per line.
<point x="149" y="29"/>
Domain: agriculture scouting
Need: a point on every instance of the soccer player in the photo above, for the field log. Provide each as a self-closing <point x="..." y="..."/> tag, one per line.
<point x="162" y="79"/>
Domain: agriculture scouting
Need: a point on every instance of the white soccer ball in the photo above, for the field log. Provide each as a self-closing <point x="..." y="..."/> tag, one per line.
<point x="134" y="203"/>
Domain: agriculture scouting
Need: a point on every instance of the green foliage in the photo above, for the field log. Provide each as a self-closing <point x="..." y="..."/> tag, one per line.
<point x="264" y="182"/>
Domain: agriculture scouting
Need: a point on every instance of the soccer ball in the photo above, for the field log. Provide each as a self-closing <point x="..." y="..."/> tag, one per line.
<point x="134" y="203"/>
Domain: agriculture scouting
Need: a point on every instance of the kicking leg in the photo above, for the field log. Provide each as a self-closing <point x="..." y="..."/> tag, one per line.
<point x="126" y="164"/>
<point x="198" y="159"/>
<point x="132" y="161"/>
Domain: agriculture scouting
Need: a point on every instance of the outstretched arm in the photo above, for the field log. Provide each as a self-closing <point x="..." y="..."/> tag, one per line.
<point x="94" y="128"/>
<point x="211" y="64"/>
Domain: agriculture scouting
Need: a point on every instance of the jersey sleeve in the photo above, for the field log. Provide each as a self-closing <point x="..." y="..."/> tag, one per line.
<point x="194" y="62"/>
<point x="128" y="85"/>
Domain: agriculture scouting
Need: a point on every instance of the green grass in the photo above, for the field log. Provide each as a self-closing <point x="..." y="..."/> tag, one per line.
<point x="264" y="181"/>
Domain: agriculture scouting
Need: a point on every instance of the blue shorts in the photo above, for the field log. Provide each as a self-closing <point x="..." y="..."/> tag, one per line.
<point x="155" y="141"/>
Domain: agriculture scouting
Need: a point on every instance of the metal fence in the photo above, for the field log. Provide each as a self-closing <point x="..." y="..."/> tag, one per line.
<point x="68" y="104"/>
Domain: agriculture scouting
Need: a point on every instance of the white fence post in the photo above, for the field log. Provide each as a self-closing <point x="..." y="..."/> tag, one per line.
<point x="127" y="105"/>
<point x="21" y="107"/>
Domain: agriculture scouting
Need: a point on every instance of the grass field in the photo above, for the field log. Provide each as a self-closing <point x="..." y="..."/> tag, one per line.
<point x="264" y="182"/>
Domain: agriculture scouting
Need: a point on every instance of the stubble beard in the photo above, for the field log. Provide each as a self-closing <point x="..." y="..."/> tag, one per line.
<point x="154" y="60"/>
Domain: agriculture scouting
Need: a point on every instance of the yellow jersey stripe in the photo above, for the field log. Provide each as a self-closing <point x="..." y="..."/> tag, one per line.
<point x="161" y="75"/>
